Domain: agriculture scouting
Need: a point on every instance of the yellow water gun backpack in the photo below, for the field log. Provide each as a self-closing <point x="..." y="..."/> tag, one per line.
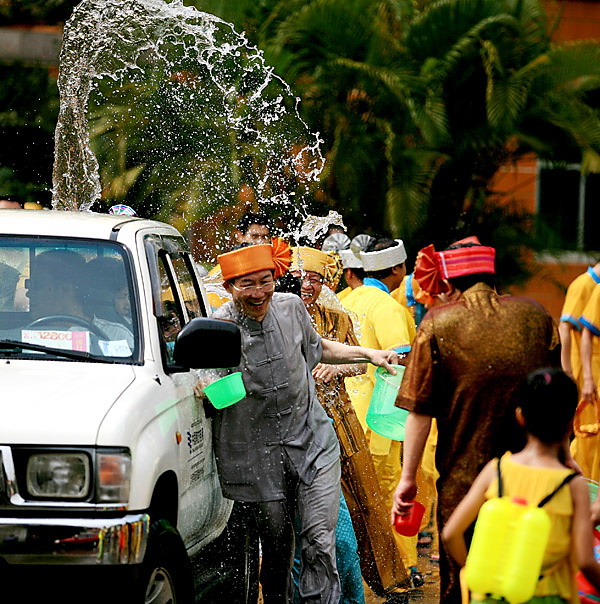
<point x="506" y="553"/>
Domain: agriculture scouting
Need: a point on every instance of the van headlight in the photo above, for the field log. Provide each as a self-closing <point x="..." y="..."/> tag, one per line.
<point x="113" y="474"/>
<point x="101" y="475"/>
<point x="58" y="475"/>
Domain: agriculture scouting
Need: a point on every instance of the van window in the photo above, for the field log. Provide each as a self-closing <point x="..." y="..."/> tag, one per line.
<point x="187" y="286"/>
<point x="170" y="319"/>
<point x="67" y="294"/>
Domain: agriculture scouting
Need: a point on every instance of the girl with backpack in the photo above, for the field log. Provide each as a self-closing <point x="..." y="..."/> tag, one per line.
<point x="538" y="474"/>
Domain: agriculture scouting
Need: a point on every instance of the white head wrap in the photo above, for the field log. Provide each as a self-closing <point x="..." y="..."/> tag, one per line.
<point x="349" y="259"/>
<point x="382" y="259"/>
<point x="360" y="243"/>
<point x="336" y="242"/>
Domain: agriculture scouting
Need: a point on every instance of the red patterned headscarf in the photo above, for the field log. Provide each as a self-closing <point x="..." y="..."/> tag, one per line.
<point x="431" y="267"/>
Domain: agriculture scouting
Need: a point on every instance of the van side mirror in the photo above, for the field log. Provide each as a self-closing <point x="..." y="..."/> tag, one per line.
<point x="208" y="344"/>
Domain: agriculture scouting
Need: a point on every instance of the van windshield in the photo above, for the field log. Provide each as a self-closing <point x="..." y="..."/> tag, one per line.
<point x="66" y="294"/>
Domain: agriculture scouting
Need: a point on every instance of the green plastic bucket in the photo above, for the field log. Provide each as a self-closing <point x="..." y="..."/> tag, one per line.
<point x="226" y="391"/>
<point x="383" y="417"/>
<point x="593" y="489"/>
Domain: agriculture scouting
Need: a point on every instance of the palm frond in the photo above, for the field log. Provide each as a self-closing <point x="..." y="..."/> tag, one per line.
<point x="436" y="29"/>
<point x="470" y="42"/>
<point x="326" y="28"/>
<point x="590" y="162"/>
<point x="567" y="66"/>
<point x="400" y="82"/>
<point x="505" y="97"/>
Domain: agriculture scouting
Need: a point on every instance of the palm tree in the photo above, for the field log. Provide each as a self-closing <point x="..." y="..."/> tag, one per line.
<point x="420" y="103"/>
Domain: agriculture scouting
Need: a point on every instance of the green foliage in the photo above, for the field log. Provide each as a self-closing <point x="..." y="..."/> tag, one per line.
<point x="28" y="96"/>
<point x="418" y="103"/>
<point x="28" y="109"/>
<point x="424" y="101"/>
<point x="35" y="11"/>
<point x="12" y="185"/>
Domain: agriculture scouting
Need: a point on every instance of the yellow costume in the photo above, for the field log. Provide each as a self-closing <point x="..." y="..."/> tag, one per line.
<point x="341" y="295"/>
<point x="213" y="285"/>
<point x="384" y="325"/>
<point x="577" y="297"/>
<point x="413" y="297"/>
<point x="586" y="445"/>
<point x="534" y="484"/>
<point x="399" y="294"/>
<point x="381" y="565"/>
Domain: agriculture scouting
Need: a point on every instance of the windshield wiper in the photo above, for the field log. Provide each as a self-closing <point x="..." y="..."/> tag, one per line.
<point x="17" y="347"/>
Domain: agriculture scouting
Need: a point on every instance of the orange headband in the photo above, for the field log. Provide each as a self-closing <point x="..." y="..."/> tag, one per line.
<point x="432" y="267"/>
<point x="275" y="256"/>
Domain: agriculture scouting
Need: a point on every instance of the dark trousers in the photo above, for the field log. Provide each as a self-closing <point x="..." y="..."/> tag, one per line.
<point x="316" y="508"/>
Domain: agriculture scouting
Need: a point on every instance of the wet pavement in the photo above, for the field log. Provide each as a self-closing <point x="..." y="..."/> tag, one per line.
<point x="429" y="593"/>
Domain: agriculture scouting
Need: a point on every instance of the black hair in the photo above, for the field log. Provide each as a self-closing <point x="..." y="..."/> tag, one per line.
<point x="465" y="282"/>
<point x="289" y="283"/>
<point x="359" y="272"/>
<point x="306" y="241"/>
<point x="52" y="263"/>
<point x="381" y="243"/>
<point x="239" y="246"/>
<point x="335" y="228"/>
<point x="250" y="218"/>
<point x="548" y="401"/>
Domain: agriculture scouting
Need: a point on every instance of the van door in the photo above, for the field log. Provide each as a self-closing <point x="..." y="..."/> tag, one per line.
<point x="202" y="509"/>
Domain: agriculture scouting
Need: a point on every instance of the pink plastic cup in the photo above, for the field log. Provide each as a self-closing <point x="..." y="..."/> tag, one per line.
<point x="409" y="525"/>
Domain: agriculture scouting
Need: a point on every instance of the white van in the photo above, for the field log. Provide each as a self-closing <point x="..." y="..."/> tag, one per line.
<point x="105" y="454"/>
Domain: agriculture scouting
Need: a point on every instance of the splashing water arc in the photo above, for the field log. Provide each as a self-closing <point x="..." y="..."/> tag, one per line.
<point x="121" y="40"/>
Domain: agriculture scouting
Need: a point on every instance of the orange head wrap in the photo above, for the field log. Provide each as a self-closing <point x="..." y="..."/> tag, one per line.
<point x="275" y="256"/>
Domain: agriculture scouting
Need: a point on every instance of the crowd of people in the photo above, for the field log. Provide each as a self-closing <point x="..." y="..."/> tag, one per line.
<point x="500" y="401"/>
<point x="322" y="486"/>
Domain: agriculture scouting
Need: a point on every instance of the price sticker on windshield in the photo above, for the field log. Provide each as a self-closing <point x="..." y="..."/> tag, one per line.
<point x="53" y="338"/>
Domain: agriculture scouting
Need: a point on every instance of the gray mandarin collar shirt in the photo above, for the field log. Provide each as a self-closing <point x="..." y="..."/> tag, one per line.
<point x="280" y="416"/>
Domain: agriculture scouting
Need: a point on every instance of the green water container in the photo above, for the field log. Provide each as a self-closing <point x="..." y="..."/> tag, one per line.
<point x="383" y="417"/>
<point x="593" y="489"/>
<point x="226" y="391"/>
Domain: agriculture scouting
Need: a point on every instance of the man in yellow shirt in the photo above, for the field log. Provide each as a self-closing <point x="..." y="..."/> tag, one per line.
<point x="384" y="325"/>
<point x="586" y="446"/>
<point x="570" y="328"/>
<point x="575" y="337"/>
<point x="352" y="270"/>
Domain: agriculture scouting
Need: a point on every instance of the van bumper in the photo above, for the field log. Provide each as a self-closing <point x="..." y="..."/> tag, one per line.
<point x="74" y="541"/>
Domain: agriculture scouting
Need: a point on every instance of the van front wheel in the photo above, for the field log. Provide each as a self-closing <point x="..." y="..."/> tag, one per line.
<point x="165" y="576"/>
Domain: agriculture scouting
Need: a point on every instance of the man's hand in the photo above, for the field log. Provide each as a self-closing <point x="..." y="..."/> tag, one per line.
<point x="199" y="390"/>
<point x="325" y="373"/>
<point x="404" y="495"/>
<point x="336" y="353"/>
<point x="383" y="358"/>
<point x="589" y="392"/>
<point x="204" y="379"/>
